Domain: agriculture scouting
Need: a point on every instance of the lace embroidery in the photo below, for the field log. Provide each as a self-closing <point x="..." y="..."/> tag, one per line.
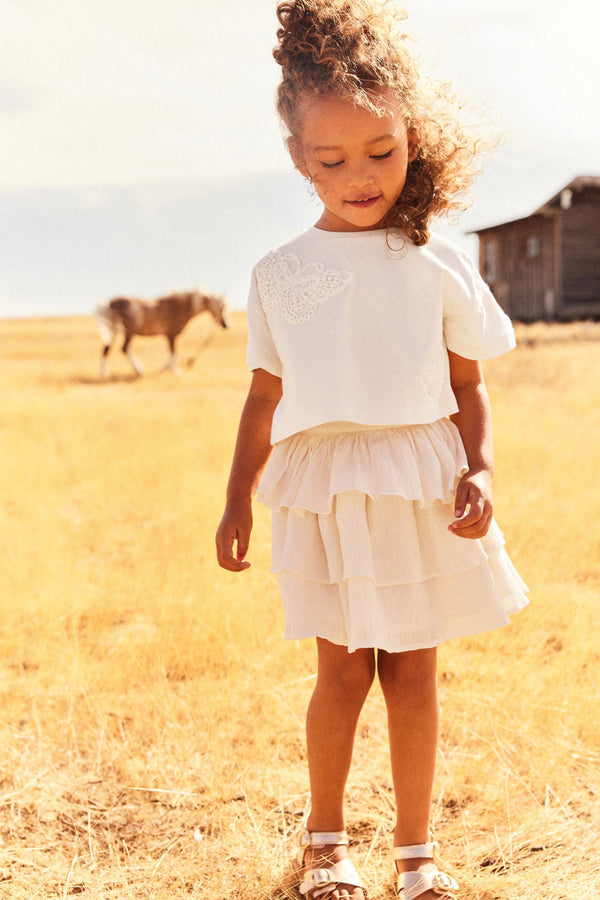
<point x="296" y="289"/>
<point x="432" y="375"/>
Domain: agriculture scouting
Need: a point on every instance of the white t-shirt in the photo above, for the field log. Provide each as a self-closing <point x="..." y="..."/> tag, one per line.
<point x="358" y="327"/>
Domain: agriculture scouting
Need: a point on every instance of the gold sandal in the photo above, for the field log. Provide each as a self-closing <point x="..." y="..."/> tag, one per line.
<point x="314" y="883"/>
<point x="412" y="884"/>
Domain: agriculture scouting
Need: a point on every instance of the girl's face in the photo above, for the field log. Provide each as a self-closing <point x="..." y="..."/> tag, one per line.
<point x="356" y="160"/>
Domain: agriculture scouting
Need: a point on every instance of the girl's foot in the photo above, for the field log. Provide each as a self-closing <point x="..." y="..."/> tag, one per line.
<point x="418" y="876"/>
<point x="423" y="866"/>
<point x="324" y="868"/>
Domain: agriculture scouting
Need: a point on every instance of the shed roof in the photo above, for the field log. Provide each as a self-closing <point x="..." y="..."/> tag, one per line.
<point x="578" y="184"/>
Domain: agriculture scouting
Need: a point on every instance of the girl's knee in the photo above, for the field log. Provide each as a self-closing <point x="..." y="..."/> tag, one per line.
<point x="412" y="674"/>
<point x="352" y="674"/>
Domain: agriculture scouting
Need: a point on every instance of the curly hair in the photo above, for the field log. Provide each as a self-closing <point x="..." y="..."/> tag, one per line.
<point x="355" y="49"/>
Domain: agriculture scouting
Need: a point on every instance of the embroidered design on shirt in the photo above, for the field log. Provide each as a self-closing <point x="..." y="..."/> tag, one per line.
<point x="432" y="374"/>
<point x="296" y="289"/>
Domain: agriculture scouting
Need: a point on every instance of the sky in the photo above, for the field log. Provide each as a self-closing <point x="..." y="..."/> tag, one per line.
<point x="140" y="148"/>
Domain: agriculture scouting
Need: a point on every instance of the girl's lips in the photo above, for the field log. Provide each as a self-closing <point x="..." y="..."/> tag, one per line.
<point x="365" y="203"/>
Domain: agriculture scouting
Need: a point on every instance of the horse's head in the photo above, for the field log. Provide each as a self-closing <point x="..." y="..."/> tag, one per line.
<point x="216" y="305"/>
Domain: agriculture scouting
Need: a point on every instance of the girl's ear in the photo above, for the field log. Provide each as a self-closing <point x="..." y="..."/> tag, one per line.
<point x="295" y="149"/>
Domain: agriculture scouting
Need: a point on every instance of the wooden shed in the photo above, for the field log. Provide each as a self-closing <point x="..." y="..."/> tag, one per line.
<point x="547" y="265"/>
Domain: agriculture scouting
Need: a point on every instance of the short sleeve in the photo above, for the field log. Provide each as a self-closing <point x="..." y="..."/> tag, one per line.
<point x="474" y="324"/>
<point x="261" y="351"/>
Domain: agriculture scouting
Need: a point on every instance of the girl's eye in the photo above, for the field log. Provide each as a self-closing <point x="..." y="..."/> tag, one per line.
<point x="336" y="165"/>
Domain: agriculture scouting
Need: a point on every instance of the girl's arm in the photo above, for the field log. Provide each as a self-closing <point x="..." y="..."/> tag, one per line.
<point x="252" y="451"/>
<point x="474" y="421"/>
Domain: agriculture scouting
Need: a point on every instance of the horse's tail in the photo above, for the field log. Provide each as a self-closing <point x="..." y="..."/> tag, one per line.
<point x="109" y="323"/>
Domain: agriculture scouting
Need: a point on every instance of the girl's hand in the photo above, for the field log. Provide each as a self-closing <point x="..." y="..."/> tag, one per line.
<point x="252" y="450"/>
<point x="235" y="527"/>
<point x="473" y="506"/>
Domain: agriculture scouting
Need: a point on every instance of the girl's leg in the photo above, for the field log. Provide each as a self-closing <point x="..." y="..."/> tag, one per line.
<point x="409" y="684"/>
<point x="343" y="682"/>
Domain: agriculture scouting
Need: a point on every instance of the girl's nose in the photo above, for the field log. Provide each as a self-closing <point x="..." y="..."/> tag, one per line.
<point x="359" y="175"/>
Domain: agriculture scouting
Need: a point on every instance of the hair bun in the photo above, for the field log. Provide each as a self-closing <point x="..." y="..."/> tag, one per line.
<point x="347" y="43"/>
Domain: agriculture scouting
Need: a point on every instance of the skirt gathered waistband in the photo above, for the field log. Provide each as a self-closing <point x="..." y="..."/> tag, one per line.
<point x="417" y="462"/>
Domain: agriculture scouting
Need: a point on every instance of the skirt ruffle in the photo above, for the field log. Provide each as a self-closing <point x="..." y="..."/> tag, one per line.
<point x="417" y="462"/>
<point x="361" y="545"/>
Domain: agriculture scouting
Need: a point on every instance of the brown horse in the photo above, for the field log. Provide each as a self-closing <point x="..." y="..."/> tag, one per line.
<point x="166" y="315"/>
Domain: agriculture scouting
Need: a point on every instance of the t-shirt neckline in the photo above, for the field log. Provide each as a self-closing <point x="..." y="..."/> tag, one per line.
<point x="349" y="234"/>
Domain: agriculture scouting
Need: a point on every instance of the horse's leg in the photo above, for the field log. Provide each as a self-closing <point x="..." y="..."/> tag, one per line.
<point x="104" y="361"/>
<point x="139" y="369"/>
<point x="172" y="362"/>
<point x="106" y="324"/>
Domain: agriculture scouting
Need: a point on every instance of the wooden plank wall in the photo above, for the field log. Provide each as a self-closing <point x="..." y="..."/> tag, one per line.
<point x="547" y="266"/>
<point x="525" y="267"/>
<point x="581" y="251"/>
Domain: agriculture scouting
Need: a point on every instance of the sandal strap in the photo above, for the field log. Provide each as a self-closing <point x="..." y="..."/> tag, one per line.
<point x="325" y="879"/>
<point x="412" y="884"/>
<point x="321" y="838"/>
<point x="415" y="851"/>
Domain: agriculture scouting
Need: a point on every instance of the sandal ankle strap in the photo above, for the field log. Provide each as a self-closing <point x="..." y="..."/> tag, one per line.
<point x="321" y="838"/>
<point x="415" y="851"/>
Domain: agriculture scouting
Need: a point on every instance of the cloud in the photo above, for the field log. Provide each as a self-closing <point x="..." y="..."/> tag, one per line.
<point x="536" y="64"/>
<point x="108" y="94"/>
<point x="122" y="93"/>
<point x="18" y="95"/>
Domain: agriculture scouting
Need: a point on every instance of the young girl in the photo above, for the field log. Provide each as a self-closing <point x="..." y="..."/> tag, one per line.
<point x="368" y="402"/>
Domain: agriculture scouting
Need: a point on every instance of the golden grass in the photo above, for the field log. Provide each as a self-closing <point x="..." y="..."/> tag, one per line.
<point x="152" y="716"/>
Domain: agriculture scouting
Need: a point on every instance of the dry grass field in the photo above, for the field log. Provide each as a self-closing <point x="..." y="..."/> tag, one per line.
<point x="151" y="737"/>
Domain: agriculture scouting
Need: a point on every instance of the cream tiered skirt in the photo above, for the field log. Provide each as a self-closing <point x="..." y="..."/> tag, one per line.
<point x="361" y="545"/>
